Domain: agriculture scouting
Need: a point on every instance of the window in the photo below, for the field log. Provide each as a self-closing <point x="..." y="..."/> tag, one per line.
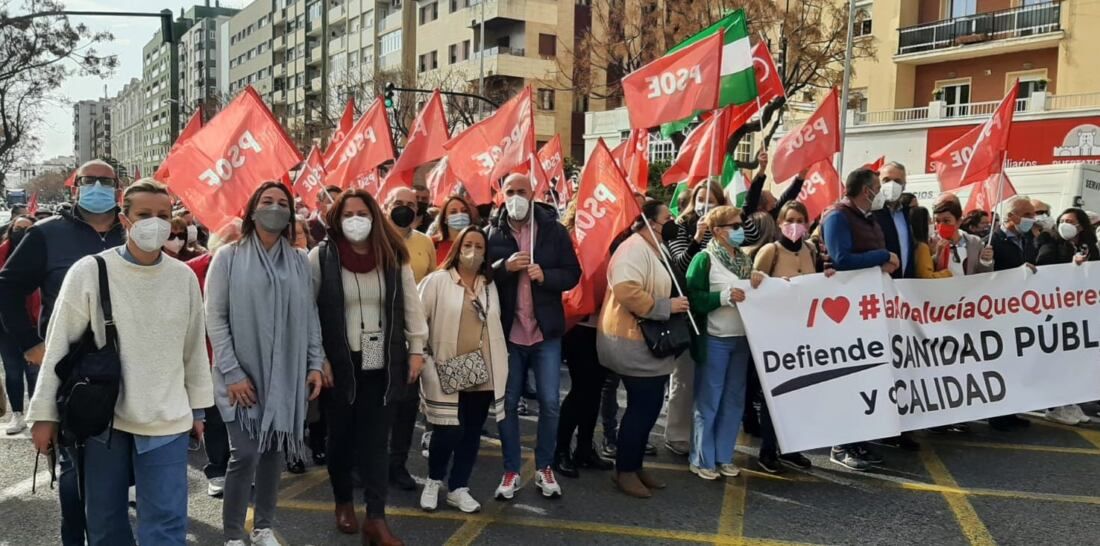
<point x="390" y="43"/>
<point x="452" y="53"/>
<point x="546" y="99"/>
<point x="548" y="45"/>
<point x="433" y="60"/>
<point x="957" y="97"/>
<point x="423" y="63"/>
<point x="429" y="12"/>
<point x="862" y="25"/>
<point x="962" y="8"/>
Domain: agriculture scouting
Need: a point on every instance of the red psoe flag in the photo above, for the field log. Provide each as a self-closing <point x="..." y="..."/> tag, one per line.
<point x="675" y="86"/>
<point x="983" y="195"/>
<point x="702" y="153"/>
<point x="605" y="208"/>
<point x="189" y="130"/>
<point x="493" y="147"/>
<point x="632" y="156"/>
<point x="215" y="171"/>
<point x="441" y="182"/>
<point x="978" y="154"/>
<point x="347" y="121"/>
<point x="311" y="179"/>
<point x="552" y="162"/>
<point x="817" y="140"/>
<point x="32" y="204"/>
<point x="425" y="143"/>
<point x="821" y="189"/>
<point x="357" y="157"/>
<point x="877" y="164"/>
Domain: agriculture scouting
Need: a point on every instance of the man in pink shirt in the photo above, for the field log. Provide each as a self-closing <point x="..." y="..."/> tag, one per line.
<point x="534" y="263"/>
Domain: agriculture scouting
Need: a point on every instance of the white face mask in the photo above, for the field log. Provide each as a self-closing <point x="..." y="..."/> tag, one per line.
<point x="1044" y="221"/>
<point x="517" y="206"/>
<point x="701" y="208"/>
<point x="1068" y="231"/>
<point x="192" y="234"/>
<point x="879" y="200"/>
<point x="891" y="191"/>
<point x="150" y="234"/>
<point x="173" y="246"/>
<point x="356" y="228"/>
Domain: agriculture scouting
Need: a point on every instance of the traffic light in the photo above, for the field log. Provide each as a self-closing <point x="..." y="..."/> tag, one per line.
<point x="389" y="96"/>
<point x="166" y="26"/>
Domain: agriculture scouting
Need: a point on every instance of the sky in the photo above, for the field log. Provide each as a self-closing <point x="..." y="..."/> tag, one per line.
<point x="131" y="35"/>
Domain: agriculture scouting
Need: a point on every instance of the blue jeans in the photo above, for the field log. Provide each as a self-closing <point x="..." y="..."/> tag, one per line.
<point x="719" y="400"/>
<point x="68" y="492"/>
<point x="160" y="476"/>
<point x="644" y="398"/>
<point x="16" y="370"/>
<point x="545" y="359"/>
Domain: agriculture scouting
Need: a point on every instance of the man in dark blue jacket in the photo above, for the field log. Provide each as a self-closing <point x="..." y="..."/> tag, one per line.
<point x="533" y="263"/>
<point x="41" y="262"/>
<point x="894" y="218"/>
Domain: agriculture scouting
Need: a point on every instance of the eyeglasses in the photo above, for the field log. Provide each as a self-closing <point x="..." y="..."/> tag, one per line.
<point x="92" y="180"/>
<point x="180" y="236"/>
<point x="731" y="226"/>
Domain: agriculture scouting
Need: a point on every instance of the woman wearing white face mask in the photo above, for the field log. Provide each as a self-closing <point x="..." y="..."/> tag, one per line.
<point x="266" y="338"/>
<point x="456" y="214"/>
<point x="373" y="331"/>
<point x="179" y="244"/>
<point x="463" y="313"/>
<point x="165" y="378"/>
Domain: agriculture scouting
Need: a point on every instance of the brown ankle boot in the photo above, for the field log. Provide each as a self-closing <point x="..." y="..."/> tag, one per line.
<point x="346" y="521"/>
<point x="632" y="485"/>
<point x="649" y="480"/>
<point x="377" y="533"/>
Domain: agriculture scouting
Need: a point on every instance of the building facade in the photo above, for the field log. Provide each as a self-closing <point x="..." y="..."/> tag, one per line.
<point x="127" y="123"/>
<point x="201" y="51"/>
<point x="160" y="81"/>
<point x="92" y="129"/>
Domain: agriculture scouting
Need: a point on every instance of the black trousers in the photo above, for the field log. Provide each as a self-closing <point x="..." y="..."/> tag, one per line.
<point x="216" y="440"/>
<point x="581" y="406"/>
<point x="644" y="398"/>
<point x="403" y="424"/>
<point x="357" y="438"/>
<point x="461" y="441"/>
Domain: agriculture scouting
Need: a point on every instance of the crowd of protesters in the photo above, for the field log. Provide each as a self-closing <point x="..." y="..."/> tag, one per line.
<point x="324" y="331"/>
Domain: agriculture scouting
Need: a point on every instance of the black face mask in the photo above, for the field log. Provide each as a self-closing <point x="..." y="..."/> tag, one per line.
<point x="670" y="231"/>
<point x="402" y="216"/>
<point x="15" y="236"/>
<point x="421" y="208"/>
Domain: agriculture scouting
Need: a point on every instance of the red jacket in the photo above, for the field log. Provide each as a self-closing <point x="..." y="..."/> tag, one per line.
<point x="200" y="266"/>
<point x="34" y="301"/>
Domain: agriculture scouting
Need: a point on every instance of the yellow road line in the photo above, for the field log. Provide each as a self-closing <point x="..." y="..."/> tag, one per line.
<point x="731" y="520"/>
<point x="559" y="524"/>
<point x="1090" y="435"/>
<point x="304" y="483"/>
<point x="1021" y="447"/>
<point x="469" y="531"/>
<point x="972" y="527"/>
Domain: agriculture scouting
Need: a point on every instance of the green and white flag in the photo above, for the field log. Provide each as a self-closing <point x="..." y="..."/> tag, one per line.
<point x="674" y="202"/>
<point x="734" y="182"/>
<point x="738" y="83"/>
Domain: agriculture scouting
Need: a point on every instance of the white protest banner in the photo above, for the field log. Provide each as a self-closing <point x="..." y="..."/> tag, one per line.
<point x="860" y="356"/>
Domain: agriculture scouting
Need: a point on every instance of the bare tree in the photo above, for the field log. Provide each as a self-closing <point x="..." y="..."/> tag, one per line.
<point x="36" y="55"/>
<point x="50" y="186"/>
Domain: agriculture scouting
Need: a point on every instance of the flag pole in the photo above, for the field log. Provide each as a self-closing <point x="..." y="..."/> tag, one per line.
<point x="710" y="159"/>
<point x="846" y="85"/>
<point x="1000" y="194"/>
<point x="668" y="266"/>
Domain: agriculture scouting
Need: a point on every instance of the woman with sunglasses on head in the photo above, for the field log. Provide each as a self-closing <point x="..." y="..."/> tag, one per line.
<point x="373" y="330"/>
<point x="463" y="314"/>
<point x="722" y="350"/>
<point x="262" y="323"/>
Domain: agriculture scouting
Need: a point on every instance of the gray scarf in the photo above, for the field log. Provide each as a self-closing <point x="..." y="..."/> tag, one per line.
<point x="270" y="295"/>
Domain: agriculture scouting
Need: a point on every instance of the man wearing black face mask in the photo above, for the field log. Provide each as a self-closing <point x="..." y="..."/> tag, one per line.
<point x="401" y="211"/>
<point x="423" y="201"/>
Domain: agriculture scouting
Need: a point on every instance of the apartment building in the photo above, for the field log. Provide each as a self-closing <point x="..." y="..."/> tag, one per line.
<point x="160" y="80"/>
<point x="526" y="42"/>
<point x="203" y="52"/>
<point x="367" y="41"/>
<point x="250" y="59"/>
<point x="92" y="129"/>
<point x="127" y="122"/>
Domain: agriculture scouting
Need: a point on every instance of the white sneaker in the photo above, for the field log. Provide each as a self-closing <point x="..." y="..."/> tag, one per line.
<point x="16" y="425"/>
<point x="215" y="486"/>
<point x="1078" y="413"/>
<point x="425" y="441"/>
<point x="729" y="470"/>
<point x="460" y="498"/>
<point x="429" y="497"/>
<point x="545" y="481"/>
<point x="509" y="484"/>
<point x="1060" y="415"/>
<point x="263" y="537"/>
<point x="234" y="543"/>
<point x="705" y="473"/>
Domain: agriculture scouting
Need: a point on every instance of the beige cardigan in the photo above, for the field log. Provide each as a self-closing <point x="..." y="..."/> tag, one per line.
<point x="442" y="294"/>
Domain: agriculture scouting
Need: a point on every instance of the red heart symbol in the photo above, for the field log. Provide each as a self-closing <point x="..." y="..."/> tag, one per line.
<point x="836" y="308"/>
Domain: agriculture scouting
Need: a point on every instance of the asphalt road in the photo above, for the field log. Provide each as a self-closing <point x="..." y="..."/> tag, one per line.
<point x="1037" y="486"/>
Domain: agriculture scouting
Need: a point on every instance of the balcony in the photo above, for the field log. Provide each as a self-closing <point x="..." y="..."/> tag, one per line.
<point x="337" y="15"/>
<point x="390" y="22"/>
<point x="278" y="96"/>
<point x="316" y="85"/>
<point x="937" y="112"/>
<point x="509" y="62"/>
<point x="1023" y="28"/>
<point x="316" y="56"/>
<point x="531" y="11"/>
<point x="278" y="70"/>
<point x="313" y="28"/>
<point x="337" y="45"/>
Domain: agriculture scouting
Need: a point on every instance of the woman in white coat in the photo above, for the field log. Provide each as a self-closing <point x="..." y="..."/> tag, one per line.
<point x="465" y="337"/>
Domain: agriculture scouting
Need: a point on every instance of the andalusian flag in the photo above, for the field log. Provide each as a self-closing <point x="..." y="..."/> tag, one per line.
<point x="738" y="83"/>
<point x="734" y="182"/>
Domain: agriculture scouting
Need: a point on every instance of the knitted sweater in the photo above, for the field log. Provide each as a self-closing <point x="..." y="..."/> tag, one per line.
<point x="161" y="329"/>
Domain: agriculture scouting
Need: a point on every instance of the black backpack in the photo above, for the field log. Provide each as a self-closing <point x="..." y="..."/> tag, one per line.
<point x="91" y="377"/>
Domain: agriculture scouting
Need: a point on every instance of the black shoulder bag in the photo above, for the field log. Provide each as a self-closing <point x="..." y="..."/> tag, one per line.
<point x="90" y="377"/>
<point x="666" y="338"/>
